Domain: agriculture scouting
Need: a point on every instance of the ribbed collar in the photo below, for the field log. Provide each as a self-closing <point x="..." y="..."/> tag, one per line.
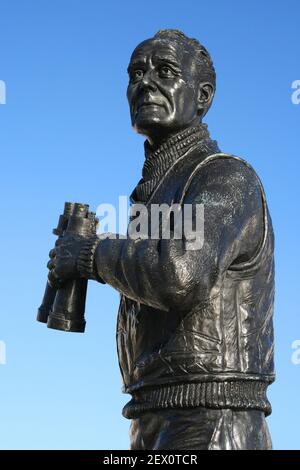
<point x="158" y="159"/>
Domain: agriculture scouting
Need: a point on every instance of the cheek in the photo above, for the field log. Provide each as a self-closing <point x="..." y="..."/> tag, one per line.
<point x="130" y="98"/>
<point x="185" y="99"/>
<point x="131" y="92"/>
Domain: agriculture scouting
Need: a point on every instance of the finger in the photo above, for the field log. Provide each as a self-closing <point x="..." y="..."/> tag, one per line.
<point x="54" y="274"/>
<point x="52" y="253"/>
<point x="52" y="280"/>
<point x="51" y="264"/>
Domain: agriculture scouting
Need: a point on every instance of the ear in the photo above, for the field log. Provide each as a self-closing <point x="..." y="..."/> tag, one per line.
<point x="206" y="93"/>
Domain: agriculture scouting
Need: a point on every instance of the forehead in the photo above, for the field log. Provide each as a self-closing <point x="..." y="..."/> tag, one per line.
<point x="158" y="49"/>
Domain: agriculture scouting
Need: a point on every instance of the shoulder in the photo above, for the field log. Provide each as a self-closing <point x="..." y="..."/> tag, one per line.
<point x="231" y="194"/>
<point x="222" y="166"/>
<point x="228" y="186"/>
<point x="224" y="173"/>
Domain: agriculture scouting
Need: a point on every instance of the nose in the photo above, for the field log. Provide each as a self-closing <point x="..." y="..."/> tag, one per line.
<point x="147" y="82"/>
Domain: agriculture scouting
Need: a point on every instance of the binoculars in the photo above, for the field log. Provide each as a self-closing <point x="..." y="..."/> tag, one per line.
<point x="63" y="308"/>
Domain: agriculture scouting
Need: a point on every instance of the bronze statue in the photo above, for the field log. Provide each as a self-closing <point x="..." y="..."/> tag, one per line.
<point x="194" y="333"/>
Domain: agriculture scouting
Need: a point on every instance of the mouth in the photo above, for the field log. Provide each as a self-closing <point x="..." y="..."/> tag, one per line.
<point x="149" y="103"/>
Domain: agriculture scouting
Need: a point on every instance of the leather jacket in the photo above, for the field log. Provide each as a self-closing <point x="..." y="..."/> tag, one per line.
<point x="195" y="326"/>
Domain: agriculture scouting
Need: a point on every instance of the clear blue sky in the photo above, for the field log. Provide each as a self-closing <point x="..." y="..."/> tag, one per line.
<point x="65" y="135"/>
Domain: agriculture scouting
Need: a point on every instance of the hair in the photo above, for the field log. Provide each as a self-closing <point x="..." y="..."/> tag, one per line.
<point x="201" y="54"/>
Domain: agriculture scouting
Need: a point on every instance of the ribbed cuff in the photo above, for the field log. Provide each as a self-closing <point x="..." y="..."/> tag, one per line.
<point x="85" y="262"/>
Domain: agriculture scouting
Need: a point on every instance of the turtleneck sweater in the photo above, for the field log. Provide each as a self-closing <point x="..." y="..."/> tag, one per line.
<point x="159" y="158"/>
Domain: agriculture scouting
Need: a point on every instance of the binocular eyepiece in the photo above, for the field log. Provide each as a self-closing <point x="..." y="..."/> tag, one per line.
<point x="64" y="308"/>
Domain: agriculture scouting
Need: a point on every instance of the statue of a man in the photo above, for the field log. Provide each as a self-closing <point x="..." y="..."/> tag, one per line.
<point x="194" y="333"/>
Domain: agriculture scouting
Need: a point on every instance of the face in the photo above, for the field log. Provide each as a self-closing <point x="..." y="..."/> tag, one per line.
<point x="163" y="90"/>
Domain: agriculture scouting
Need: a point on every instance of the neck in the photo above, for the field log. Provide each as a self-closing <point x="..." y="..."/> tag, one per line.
<point x="158" y="159"/>
<point x="160" y="135"/>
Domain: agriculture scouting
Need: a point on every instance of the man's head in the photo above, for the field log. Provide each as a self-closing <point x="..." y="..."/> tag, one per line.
<point x="171" y="84"/>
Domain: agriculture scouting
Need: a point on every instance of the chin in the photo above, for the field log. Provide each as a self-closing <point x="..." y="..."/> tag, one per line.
<point x="146" y="126"/>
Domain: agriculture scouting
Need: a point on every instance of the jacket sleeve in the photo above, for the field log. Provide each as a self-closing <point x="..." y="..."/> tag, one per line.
<point x="166" y="273"/>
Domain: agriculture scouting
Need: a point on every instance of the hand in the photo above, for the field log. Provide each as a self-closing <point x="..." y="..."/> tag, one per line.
<point x="63" y="260"/>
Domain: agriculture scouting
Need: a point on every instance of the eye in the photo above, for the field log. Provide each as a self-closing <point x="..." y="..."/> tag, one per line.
<point x="166" y="71"/>
<point x="136" y="75"/>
